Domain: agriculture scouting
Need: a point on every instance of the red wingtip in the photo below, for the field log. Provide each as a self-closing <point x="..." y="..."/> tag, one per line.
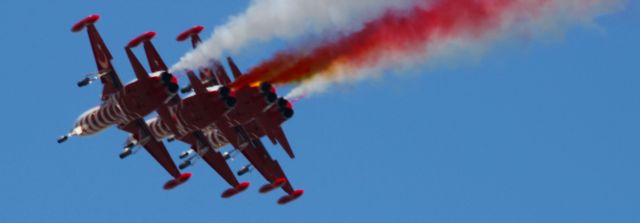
<point x="144" y="37"/>
<point x="290" y="197"/>
<point x="243" y="186"/>
<point x="84" y="22"/>
<point x="236" y="190"/>
<point x="272" y="186"/>
<point x="280" y="182"/>
<point x="184" y="177"/>
<point x="177" y="181"/>
<point x="191" y="31"/>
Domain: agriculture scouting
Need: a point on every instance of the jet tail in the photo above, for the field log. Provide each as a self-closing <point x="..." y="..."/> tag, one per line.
<point x="234" y="69"/>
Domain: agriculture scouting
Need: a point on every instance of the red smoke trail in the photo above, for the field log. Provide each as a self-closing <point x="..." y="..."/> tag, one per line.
<point x="403" y="31"/>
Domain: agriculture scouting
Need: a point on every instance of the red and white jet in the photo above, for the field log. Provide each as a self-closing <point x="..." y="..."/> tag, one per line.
<point x="126" y="105"/>
<point x="184" y="119"/>
<point x="258" y="113"/>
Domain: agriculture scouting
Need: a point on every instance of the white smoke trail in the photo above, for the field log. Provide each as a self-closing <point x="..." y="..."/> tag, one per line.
<point x="553" y="19"/>
<point x="268" y="19"/>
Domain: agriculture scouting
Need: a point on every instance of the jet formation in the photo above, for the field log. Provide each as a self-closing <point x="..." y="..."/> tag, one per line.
<point x="210" y="116"/>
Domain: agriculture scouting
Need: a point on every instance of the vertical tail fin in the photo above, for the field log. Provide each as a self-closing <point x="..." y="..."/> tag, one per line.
<point x="234" y="69"/>
<point x="198" y="87"/>
<point x="221" y="74"/>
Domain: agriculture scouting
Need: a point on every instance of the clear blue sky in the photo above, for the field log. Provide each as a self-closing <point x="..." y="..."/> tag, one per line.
<point x="545" y="131"/>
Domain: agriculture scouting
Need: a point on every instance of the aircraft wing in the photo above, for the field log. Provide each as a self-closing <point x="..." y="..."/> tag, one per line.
<point x="259" y="157"/>
<point x="158" y="151"/>
<point x="106" y="72"/>
<point x="138" y="69"/>
<point x="155" y="61"/>
<point x="276" y="135"/>
<point x="202" y="146"/>
<point x="270" y="122"/>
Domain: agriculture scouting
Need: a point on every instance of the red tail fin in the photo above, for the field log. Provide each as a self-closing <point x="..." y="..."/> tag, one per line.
<point x="196" y="84"/>
<point x="234" y="69"/>
<point x="221" y="74"/>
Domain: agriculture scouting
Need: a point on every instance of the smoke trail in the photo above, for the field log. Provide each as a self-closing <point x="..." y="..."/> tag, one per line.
<point x="268" y="19"/>
<point x="402" y="37"/>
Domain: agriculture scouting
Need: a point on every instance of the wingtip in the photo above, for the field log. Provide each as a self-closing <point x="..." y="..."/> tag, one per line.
<point x="79" y="26"/>
<point x="290" y="197"/>
<point x="235" y="190"/>
<point x="173" y="183"/>
<point x="145" y="36"/>
<point x="189" y="32"/>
